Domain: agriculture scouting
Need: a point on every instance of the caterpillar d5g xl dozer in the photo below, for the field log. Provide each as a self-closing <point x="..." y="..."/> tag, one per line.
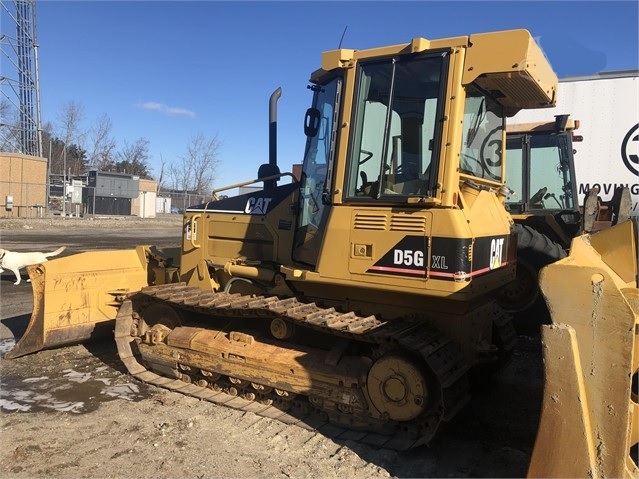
<point x="543" y="202"/>
<point x="361" y="295"/>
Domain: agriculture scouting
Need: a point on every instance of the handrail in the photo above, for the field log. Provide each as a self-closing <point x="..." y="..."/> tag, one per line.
<point x="192" y="220"/>
<point x="250" y="182"/>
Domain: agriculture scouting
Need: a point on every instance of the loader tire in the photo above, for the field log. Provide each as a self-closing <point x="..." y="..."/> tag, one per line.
<point x="522" y="298"/>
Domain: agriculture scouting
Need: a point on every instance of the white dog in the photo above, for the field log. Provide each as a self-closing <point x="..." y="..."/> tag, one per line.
<point x="15" y="261"/>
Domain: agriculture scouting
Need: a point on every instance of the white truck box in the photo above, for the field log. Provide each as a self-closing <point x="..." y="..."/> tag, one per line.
<point x="607" y="107"/>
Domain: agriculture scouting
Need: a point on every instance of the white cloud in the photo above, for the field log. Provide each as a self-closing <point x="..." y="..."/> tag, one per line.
<point x="169" y="110"/>
<point x="149" y="105"/>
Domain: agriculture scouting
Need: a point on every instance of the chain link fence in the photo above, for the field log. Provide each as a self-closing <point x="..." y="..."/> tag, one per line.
<point x="180" y="200"/>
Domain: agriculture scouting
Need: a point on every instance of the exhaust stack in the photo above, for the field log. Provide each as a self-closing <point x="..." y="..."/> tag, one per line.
<point x="271" y="168"/>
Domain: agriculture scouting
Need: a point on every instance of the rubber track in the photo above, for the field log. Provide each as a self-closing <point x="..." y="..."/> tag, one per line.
<point x="437" y="351"/>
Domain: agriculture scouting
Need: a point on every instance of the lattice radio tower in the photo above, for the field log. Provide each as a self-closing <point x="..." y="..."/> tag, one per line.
<point x="20" y="120"/>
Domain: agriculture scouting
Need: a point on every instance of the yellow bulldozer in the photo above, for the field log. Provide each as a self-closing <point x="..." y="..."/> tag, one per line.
<point x="363" y="294"/>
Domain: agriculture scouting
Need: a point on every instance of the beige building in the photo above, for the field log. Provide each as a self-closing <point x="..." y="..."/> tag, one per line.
<point x="144" y="205"/>
<point x="23" y="186"/>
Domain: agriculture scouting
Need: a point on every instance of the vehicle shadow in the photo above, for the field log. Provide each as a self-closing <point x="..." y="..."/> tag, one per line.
<point x="493" y="436"/>
<point x="14" y="327"/>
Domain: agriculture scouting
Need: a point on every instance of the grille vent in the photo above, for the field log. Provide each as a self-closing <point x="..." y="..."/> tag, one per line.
<point x="368" y="221"/>
<point x="381" y="222"/>
<point x="414" y="224"/>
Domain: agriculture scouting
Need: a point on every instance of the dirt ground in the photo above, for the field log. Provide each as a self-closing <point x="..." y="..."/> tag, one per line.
<point x="74" y="412"/>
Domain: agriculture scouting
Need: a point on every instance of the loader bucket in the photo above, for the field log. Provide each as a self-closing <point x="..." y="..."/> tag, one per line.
<point x="588" y="424"/>
<point x="76" y="298"/>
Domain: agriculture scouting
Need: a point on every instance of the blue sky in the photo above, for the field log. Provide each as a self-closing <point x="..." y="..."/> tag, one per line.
<point x="166" y="71"/>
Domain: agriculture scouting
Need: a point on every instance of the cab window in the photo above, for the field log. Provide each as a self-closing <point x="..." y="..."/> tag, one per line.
<point x="393" y="142"/>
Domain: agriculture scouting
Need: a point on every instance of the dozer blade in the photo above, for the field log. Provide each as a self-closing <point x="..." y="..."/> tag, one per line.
<point x="76" y="298"/>
<point x="588" y="425"/>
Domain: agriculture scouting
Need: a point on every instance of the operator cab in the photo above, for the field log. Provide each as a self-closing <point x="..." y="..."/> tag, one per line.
<point x="396" y="130"/>
<point x="540" y="170"/>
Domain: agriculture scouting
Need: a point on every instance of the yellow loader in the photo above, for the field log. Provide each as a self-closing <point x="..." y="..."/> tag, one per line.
<point x="544" y="205"/>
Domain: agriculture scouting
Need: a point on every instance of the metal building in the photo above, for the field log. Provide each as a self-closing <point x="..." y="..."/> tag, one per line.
<point x="110" y="193"/>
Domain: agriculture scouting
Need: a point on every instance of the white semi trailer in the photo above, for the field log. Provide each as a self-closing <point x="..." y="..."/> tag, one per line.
<point x="607" y="107"/>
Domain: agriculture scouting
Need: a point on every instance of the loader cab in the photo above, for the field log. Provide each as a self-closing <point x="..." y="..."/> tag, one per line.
<point x="540" y="173"/>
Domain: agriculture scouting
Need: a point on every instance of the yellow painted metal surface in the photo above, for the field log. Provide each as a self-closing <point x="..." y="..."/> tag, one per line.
<point x="520" y="70"/>
<point x="76" y="298"/>
<point x="589" y="414"/>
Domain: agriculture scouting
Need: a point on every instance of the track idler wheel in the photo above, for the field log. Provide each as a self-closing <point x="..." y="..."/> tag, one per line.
<point x="280" y="329"/>
<point x="156" y="319"/>
<point x="397" y="388"/>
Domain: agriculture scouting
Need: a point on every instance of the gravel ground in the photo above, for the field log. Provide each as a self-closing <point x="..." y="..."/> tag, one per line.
<point x="74" y="412"/>
<point x="57" y="222"/>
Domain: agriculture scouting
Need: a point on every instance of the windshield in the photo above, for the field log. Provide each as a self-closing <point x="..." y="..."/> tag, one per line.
<point x="394" y="138"/>
<point x="549" y="185"/>
<point x="481" y="154"/>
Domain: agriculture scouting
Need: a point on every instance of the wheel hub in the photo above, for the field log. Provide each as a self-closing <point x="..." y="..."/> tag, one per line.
<point x="394" y="389"/>
<point x="397" y="388"/>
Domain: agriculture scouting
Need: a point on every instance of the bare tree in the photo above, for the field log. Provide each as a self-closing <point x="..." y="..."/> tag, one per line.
<point x="180" y="176"/>
<point x="161" y="177"/>
<point x="9" y="129"/>
<point x="5" y="109"/>
<point x="51" y="145"/>
<point x="69" y="120"/>
<point x="101" y="154"/>
<point x="196" y="171"/>
<point x="133" y="158"/>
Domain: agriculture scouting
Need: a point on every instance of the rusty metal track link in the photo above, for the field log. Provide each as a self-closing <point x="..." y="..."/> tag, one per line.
<point x="437" y="351"/>
<point x="237" y="305"/>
